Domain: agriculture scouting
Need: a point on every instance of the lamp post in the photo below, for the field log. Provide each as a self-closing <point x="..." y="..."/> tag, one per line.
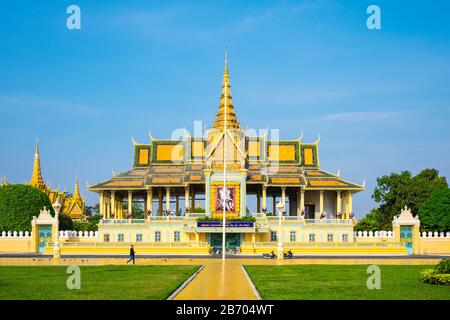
<point x="280" y="209"/>
<point x="56" y="248"/>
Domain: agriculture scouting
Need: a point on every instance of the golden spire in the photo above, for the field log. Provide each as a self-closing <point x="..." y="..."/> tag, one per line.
<point x="232" y="121"/>
<point x="36" y="178"/>
<point x="76" y="192"/>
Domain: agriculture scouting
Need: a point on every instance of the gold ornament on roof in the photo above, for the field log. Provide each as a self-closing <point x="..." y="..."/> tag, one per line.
<point x="36" y="178"/>
<point x="232" y="121"/>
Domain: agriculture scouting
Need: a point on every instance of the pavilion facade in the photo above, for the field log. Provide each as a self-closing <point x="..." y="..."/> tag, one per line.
<point x="170" y="177"/>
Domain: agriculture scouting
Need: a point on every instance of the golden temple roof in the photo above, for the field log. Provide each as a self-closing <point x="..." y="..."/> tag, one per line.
<point x="226" y="100"/>
<point x="73" y="206"/>
<point x="76" y="192"/>
<point x="36" y="178"/>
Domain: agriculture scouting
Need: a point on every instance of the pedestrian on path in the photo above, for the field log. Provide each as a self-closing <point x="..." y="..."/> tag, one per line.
<point x="132" y="258"/>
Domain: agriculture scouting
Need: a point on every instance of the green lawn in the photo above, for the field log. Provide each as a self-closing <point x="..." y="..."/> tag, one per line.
<point x="97" y="282"/>
<point x="335" y="282"/>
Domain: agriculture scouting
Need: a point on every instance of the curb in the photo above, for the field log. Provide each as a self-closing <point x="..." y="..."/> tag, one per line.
<point x="252" y="285"/>
<point x="184" y="284"/>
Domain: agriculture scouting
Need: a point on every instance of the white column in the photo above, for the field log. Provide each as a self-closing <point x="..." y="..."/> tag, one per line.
<point x="283" y="197"/>
<point x="350" y="204"/>
<point x="130" y="202"/>
<point x="113" y="203"/>
<point x="302" y="199"/>
<point x="338" y="202"/>
<point x="167" y="198"/>
<point x="321" y="202"/>
<point x="107" y="203"/>
<point x="102" y="204"/>
<point x="264" y="197"/>
<point x="186" y="197"/>
<point x="149" y="200"/>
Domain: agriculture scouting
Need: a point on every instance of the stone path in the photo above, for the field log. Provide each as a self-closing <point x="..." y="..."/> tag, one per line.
<point x="219" y="281"/>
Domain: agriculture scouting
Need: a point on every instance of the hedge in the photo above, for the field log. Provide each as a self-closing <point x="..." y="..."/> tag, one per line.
<point x="18" y="204"/>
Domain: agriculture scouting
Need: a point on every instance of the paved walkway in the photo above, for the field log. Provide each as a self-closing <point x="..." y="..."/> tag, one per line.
<point x="219" y="281"/>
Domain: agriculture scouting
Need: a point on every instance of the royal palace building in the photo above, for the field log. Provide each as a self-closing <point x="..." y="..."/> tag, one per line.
<point x="180" y="185"/>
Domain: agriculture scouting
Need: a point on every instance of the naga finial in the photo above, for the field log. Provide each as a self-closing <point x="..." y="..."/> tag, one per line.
<point x="318" y="140"/>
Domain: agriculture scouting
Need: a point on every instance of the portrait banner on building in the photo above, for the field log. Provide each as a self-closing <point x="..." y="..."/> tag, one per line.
<point x="228" y="197"/>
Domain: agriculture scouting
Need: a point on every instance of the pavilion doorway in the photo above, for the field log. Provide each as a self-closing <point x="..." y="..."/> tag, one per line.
<point x="310" y="210"/>
<point x="232" y="241"/>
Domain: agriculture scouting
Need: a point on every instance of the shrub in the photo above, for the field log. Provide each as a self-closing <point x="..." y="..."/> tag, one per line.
<point x="18" y="204"/>
<point x="433" y="277"/>
<point x="443" y="266"/>
<point x="245" y="218"/>
<point x="197" y="210"/>
<point x="440" y="274"/>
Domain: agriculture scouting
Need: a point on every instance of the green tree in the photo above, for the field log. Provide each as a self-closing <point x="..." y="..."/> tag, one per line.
<point x="369" y="223"/>
<point x="396" y="190"/>
<point x="91" y="223"/>
<point x="434" y="214"/>
<point x="138" y="211"/>
<point x="18" y="204"/>
<point x="65" y="222"/>
<point x="93" y="210"/>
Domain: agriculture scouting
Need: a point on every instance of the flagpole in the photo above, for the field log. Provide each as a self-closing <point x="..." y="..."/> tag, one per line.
<point x="224" y="166"/>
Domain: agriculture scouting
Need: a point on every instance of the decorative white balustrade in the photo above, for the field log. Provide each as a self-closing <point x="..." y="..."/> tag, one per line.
<point x="390" y="234"/>
<point x="435" y="234"/>
<point x="16" y="234"/>
<point x="68" y="234"/>
<point x="371" y="234"/>
<point x="62" y="234"/>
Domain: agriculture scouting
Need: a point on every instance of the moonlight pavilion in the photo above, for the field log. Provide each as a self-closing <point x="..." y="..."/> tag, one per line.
<point x="169" y="176"/>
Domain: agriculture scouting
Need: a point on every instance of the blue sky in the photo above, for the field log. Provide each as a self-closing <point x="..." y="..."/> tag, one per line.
<point x="380" y="99"/>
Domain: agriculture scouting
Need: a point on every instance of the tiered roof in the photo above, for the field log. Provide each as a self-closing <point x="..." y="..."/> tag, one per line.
<point x="73" y="206"/>
<point x="268" y="162"/>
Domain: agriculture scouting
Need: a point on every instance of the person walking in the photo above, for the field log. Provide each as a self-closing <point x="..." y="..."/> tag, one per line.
<point x="132" y="253"/>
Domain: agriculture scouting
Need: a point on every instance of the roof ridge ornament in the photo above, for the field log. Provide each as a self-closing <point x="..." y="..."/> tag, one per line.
<point x="318" y="140"/>
<point x="231" y="118"/>
<point x="150" y="136"/>
<point x="301" y="136"/>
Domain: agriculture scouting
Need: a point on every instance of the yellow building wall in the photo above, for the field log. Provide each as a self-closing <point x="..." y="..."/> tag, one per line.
<point x="154" y="248"/>
<point x="16" y="245"/>
<point x="434" y="245"/>
<point x="317" y="249"/>
<point x="166" y="228"/>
